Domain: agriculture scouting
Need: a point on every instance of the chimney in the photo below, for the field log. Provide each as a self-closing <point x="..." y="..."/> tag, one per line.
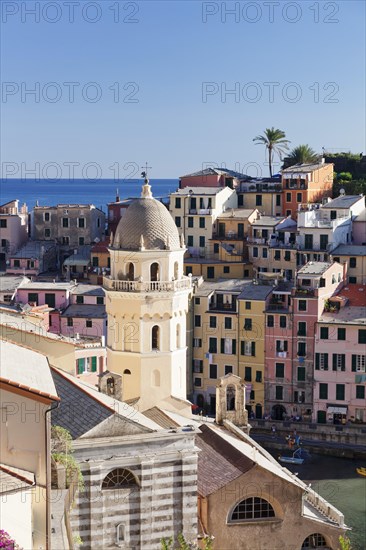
<point x="117" y="196"/>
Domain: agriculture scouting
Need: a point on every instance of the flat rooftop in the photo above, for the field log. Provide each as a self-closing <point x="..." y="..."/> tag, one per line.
<point x="223" y="285"/>
<point x="85" y="310"/>
<point x="314" y="268"/>
<point x="255" y="292"/>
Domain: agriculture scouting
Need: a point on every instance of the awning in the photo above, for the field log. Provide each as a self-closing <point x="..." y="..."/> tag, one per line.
<point x="337" y="410"/>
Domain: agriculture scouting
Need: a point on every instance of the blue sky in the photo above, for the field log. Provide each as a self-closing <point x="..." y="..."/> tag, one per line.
<point x="163" y="72"/>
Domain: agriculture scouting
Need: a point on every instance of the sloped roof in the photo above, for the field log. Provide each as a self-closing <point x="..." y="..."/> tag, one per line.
<point x="157" y="415"/>
<point x="83" y="407"/>
<point x="14" y="479"/>
<point x="26" y="369"/>
<point x="217" y="172"/>
<point x="219" y="462"/>
<point x="343" y="201"/>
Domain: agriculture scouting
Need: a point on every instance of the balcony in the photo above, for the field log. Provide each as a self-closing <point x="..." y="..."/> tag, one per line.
<point x="230" y="236"/>
<point x="305" y="292"/>
<point x="201" y="211"/>
<point x="277" y="307"/>
<point x="141" y="286"/>
<point x="223" y="307"/>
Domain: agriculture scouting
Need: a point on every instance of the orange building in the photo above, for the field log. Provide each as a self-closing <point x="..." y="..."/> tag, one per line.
<point x="303" y="184"/>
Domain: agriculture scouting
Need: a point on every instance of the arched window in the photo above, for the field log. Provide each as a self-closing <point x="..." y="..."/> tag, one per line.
<point x="176" y="270"/>
<point x="230" y="398"/>
<point x="120" y="478"/>
<point x="130" y="270"/>
<point x="154" y="272"/>
<point x="156" y="378"/>
<point x="314" y="541"/>
<point x="121" y="533"/>
<point x="252" y="508"/>
<point x="155" y="337"/>
<point x="178" y="336"/>
<point x="110" y="385"/>
<point x="127" y="371"/>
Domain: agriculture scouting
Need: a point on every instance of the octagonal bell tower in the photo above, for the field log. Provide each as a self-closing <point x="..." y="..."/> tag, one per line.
<point x="147" y="303"/>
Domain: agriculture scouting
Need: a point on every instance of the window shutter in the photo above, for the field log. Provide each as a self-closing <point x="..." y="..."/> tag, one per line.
<point x="94" y="364"/>
<point x="242" y="347"/>
<point x="253" y="349"/>
<point x="343" y="363"/>
<point x="317" y="361"/>
<point x="222" y="350"/>
<point x="81" y="364"/>
<point x="354" y="363"/>
<point x="334" y="361"/>
<point x="325" y="361"/>
<point x="234" y="347"/>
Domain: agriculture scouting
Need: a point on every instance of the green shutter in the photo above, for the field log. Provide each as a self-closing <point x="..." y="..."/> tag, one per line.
<point x="242" y="346"/>
<point x="234" y="347"/>
<point x="94" y="364"/>
<point x="343" y="363"/>
<point x="325" y="361"/>
<point x="253" y="349"/>
<point x="222" y="345"/>
<point x="334" y="361"/>
<point x="354" y="363"/>
<point x="81" y="365"/>
<point x="317" y="361"/>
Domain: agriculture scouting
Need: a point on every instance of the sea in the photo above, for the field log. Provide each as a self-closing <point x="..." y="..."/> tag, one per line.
<point x="45" y="192"/>
<point x="336" y="480"/>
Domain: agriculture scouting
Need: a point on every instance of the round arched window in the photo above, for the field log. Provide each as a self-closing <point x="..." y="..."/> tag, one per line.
<point x="252" y="508"/>
<point x="316" y="540"/>
<point x="120" y="478"/>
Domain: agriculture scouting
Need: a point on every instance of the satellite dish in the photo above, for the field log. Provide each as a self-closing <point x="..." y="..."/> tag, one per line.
<point x="342" y="192"/>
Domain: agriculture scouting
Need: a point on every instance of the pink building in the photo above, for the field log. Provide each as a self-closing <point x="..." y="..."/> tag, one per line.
<point x="14" y="229"/>
<point x="33" y="258"/>
<point x="212" y="177"/>
<point x="290" y="329"/>
<point x="340" y="359"/>
<point x="56" y="295"/>
<point x="84" y="320"/>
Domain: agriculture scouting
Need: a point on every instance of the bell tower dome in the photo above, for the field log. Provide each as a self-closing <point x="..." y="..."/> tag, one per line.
<point x="147" y="303"/>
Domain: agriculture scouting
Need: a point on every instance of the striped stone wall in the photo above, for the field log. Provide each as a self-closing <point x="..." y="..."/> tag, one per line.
<point x="164" y="503"/>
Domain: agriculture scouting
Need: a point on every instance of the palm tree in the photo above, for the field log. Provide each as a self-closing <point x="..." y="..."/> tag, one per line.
<point x="275" y="142"/>
<point x="302" y="154"/>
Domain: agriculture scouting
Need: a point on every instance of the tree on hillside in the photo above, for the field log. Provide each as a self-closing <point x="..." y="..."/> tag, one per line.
<point x="275" y="142"/>
<point x="302" y="154"/>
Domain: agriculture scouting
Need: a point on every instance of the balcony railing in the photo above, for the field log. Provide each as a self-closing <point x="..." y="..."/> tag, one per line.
<point x="141" y="286"/>
<point x="201" y="211"/>
<point x="222" y="307"/>
<point x="277" y="307"/>
<point x="230" y="236"/>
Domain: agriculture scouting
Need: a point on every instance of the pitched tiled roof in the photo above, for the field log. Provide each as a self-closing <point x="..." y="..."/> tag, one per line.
<point x="78" y="412"/>
<point x="219" y="463"/>
<point x="158" y="416"/>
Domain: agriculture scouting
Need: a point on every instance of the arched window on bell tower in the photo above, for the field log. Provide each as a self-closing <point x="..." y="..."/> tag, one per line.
<point x="155" y="336"/>
<point x="230" y="398"/>
<point x="130" y="270"/>
<point x="154" y="272"/>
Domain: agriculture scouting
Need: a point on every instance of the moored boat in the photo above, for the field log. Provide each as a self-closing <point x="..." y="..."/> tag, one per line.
<point x="361" y="471"/>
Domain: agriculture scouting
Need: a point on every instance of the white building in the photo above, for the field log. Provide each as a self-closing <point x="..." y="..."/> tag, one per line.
<point x="322" y="228"/>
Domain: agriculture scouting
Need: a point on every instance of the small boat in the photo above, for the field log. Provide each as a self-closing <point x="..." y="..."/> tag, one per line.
<point x="361" y="471"/>
<point x="294" y="459"/>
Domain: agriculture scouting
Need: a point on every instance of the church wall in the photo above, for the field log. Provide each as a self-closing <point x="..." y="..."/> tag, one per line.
<point x="163" y="504"/>
<point x="287" y="530"/>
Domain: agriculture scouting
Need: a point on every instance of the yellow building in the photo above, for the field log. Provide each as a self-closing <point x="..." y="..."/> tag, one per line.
<point x="215" y="338"/>
<point x="252" y="303"/>
<point x="267" y="197"/>
<point x="354" y="256"/>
